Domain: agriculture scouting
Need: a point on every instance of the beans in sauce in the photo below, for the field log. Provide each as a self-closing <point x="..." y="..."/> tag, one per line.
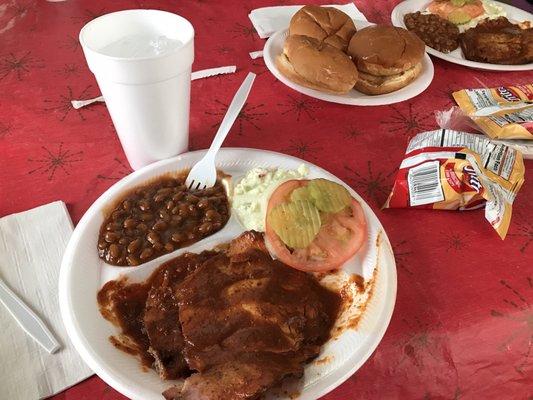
<point x="158" y="218"/>
<point x="435" y="31"/>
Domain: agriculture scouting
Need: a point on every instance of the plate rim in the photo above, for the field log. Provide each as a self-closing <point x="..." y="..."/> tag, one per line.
<point x="367" y="101"/>
<point x="396" y="17"/>
<point x="93" y="359"/>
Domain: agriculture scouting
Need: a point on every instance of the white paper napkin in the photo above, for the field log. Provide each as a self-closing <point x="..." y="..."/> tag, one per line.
<point x="268" y="20"/>
<point x="31" y="247"/>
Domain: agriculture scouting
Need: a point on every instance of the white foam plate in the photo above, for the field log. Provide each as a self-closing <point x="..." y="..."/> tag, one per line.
<point x="456" y="56"/>
<point x="274" y="47"/>
<point x="83" y="273"/>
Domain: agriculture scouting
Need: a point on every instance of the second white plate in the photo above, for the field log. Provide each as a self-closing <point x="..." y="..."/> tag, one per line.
<point x="274" y="47"/>
<point x="456" y="56"/>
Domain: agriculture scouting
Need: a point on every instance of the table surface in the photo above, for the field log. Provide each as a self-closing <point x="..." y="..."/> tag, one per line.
<point x="463" y="323"/>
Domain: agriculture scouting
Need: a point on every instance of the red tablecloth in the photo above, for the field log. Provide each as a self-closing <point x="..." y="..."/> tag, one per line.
<point x="463" y="323"/>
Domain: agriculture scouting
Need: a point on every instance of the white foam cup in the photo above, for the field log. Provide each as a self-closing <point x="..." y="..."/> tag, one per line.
<point x="148" y="97"/>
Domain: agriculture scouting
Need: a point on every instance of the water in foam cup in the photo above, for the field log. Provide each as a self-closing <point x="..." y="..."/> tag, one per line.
<point x="142" y="62"/>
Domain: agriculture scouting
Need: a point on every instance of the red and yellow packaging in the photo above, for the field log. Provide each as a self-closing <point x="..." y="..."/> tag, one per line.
<point x="452" y="170"/>
<point x="505" y="112"/>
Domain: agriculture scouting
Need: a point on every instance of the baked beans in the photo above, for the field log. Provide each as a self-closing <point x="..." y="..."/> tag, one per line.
<point x="159" y="218"/>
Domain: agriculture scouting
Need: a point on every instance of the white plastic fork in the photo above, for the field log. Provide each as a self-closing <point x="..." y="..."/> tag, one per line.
<point x="204" y="173"/>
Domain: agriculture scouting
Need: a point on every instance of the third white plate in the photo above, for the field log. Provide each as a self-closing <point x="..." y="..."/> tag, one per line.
<point x="274" y="47"/>
<point x="456" y="56"/>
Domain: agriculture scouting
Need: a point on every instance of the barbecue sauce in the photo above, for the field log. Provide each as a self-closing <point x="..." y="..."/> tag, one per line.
<point x="210" y="278"/>
<point x="124" y="303"/>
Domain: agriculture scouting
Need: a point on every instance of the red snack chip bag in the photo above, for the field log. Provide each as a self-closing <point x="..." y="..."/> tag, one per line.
<point x="452" y="170"/>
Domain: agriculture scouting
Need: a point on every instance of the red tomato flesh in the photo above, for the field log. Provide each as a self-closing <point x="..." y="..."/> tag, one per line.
<point x="341" y="235"/>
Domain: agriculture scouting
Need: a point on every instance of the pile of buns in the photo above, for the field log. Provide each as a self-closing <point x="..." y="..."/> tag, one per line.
<point x="324" y="51"/>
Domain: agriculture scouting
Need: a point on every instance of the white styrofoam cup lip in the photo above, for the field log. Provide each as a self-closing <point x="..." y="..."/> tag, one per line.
<point x="103" y="30"/>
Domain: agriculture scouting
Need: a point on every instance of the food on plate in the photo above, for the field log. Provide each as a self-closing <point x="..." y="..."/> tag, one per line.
<point x="325" y="24"/>
<point x="232" y="322"/>
<point x="296" y="223"/>
<point x="314" y="54"/>
<point x="457" y="11"/>
<point x="505" y="112"/>
<point x="147" y="315"/>
<point x="498" y="41"/>
<point x="480" y="28"/>
<point x="251" y="193"/>
<point x="452" y="170"/>
<point x="465" y="13"/>
<point x="314" y="225"/>
<point x="388" y="58"/>
<point x="159" y="217"/>
<point x="436" y="32"/>
<point x="525" y="24"/>
<point x="316" y="65"/>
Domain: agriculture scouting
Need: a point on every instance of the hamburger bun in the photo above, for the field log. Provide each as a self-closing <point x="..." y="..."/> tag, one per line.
<point x="384" y="50"/>
<point x="317" y="65"/>
<point x="326" y="24"/>
<point x="373" y="85"/>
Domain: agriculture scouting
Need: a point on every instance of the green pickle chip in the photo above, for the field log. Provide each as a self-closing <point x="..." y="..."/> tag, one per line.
<point x="296" y="223"/>
<point x="459" y="17"/>
<point x="300" y="193"/>
<point x="329" y="196"/>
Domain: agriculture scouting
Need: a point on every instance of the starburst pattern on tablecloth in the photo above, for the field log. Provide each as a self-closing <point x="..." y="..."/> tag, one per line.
<point x="303" y="149"/>
<point x="260" y="68"/>
<point x="249" y="115"/>
<point x="5" y="129"/>
<point x="70" y="43"/>
<point x="375" y="185"/>
<point x="352" y="133"/>
<point x="523" y="231"/>
<point x="407" y="123"/>
<point x="424" y="346"/>
<point x="401" y="255"/>
<point x="446" y="92"/>
<point x="299" y="106"/>
<point x="88" y="15"/>
<point x="420" y="341"/>
<point x="244" y="31"/>
<point x="62" y="105"/>
<point x="455" y="241"/>
<point x="68" y="70"/>
<point x="18" y="65"/>
<point x="52" y="161"/>
<point x="520" y="314"/>
<point x="121" y="170"/>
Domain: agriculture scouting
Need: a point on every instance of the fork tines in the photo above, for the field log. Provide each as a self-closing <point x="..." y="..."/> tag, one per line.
<point x="196" y="185"/>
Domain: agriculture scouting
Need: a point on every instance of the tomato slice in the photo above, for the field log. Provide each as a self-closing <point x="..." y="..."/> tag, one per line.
<point x="341" y="235"/>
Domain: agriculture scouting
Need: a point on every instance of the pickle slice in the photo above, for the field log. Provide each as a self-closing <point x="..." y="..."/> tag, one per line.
<point x="300" y="193"/>
<point x="296" y="223"/>
<point x="458" y="3"/>
<point x="329" y="196"/>
<point x="459" y="17"/>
